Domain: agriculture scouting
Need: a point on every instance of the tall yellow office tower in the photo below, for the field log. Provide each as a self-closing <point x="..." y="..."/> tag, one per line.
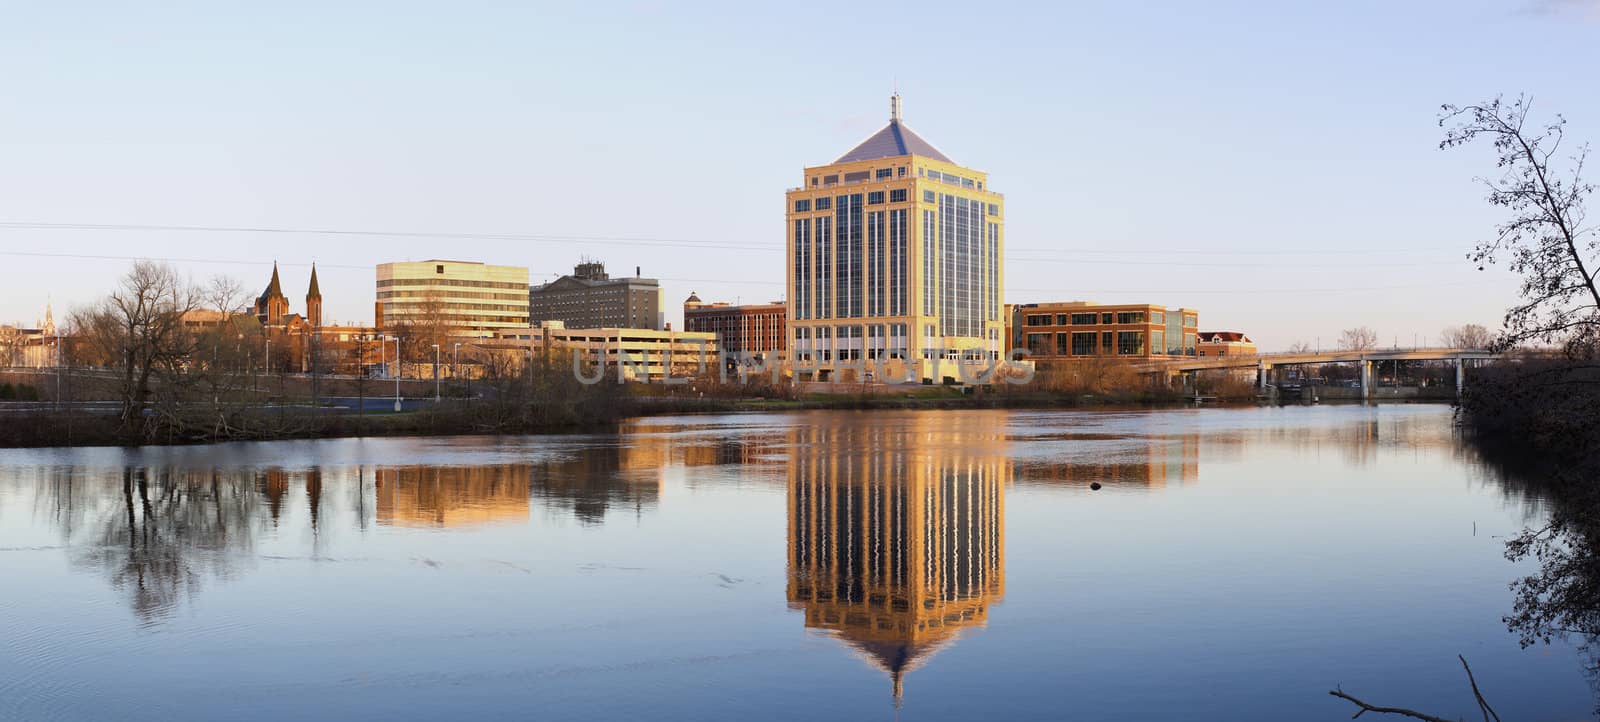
<point x="894" y="258"/>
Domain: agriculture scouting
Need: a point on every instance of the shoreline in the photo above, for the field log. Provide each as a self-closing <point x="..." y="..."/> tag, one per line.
<point x="72" y="429"/>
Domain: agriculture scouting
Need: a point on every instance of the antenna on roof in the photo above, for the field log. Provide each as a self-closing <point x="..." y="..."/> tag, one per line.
<point x="894" y="104"/>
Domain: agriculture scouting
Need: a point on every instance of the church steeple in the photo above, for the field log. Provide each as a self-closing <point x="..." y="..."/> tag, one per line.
<point x="272" y="306"/>
<point x="314" y="291"/>
<point x="274" y="289"/>
<point x="314" y="301"/>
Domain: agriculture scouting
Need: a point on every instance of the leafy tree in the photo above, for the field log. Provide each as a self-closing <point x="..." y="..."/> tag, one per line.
<point x="1544" y="240"/>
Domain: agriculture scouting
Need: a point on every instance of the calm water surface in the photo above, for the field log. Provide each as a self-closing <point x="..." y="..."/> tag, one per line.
<point x="1236" y="565"/>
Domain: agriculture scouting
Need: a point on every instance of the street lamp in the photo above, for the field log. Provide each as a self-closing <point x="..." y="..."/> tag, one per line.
<point x="436" y="373"/>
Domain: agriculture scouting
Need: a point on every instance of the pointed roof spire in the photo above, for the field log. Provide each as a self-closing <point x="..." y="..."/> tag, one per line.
<point x="274" y="289"/>
<point x="314" y="291"/>
<point x="895" y="139"/>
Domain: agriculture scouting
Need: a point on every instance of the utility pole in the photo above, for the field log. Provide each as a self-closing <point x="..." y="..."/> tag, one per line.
<point x="316" y="370"/>
<point x="436" y="382"/>
<point x="58" y="372"/>
<point x="398" y="369"/>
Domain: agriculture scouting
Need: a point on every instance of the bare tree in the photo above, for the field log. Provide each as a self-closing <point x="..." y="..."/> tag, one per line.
<point x="1471" y="335"/>
<point x="1545" y="240"/>
<point x="429" y="325"/>
<point x="225" y="295"/>
<point x="139" y="327"/>
<point x="1358" y="339"/>
<point x="10" y="342"/>
<point x="1300" y="347"/>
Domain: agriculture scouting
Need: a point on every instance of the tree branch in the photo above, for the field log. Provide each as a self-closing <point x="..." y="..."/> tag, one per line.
<point x="1365" y="708"/>
<point x="1483" y="705"/>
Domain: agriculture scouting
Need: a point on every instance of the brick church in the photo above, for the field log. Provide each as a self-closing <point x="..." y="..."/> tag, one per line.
<point x="272" y="307"/>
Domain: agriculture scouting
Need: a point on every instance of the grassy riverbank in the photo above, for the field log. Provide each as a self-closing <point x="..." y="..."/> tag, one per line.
<point x="575" y="409"/>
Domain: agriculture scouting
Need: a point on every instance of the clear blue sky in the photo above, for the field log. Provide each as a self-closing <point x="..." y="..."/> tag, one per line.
<point x="1254" y="161"/>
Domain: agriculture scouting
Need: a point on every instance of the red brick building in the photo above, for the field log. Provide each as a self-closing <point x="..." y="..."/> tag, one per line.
<point x="755" y="329"/>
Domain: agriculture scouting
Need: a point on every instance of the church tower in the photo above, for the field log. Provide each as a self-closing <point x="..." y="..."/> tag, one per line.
<point x="272" y="305"/>
<point x="314" y="301"/>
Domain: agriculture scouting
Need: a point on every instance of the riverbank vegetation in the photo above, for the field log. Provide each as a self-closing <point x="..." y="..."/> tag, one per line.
<point x="1533" y="417"/>
<point x="1546" y="402"/>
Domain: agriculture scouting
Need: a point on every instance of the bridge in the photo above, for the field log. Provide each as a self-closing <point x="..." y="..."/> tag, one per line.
<point x="1266" y="364"/>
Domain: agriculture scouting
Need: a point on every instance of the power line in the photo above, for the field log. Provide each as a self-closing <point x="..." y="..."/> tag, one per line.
<point x="1062" y="261"/>
<point x="664" y="242"/>
<point x="530" y="238"/>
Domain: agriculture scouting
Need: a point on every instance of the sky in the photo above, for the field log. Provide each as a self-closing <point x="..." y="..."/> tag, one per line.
<point x="1273" y="165"/>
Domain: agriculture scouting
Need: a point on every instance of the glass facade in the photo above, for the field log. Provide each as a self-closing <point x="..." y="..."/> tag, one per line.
<point x="824" y="267"/>
<point x="847" y="256"/>
<point x="801" y="304"/>
<point x="898" y="260"/>
<point x="874" y="278"/>
<point x="930" y="274"/>
<point x="968" y="267"/>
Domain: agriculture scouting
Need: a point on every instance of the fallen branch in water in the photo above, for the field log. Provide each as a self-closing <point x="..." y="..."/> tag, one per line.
<point x="1365" y="708"/>
<point x="1483" y="705"/>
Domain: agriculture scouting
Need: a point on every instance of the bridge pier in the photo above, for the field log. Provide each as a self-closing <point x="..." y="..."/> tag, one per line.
<point x="1261" y="375"/>
<point x="1461" y="376"/>
<point x="1366" y="379"/>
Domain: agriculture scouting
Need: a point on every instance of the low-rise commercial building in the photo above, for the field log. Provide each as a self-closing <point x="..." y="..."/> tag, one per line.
<point x="756" y="329"/>
<point x="591" y="298"/>
<point x="465" y="298"/>
<point x="635" y="349"/>
<point x="1081" y="330"/>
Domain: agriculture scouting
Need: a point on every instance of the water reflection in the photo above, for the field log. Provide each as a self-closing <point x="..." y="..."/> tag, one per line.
<point x="451" y="496"/>
<point x="1561" y="600"/>
<point x="896" y="533"/>
<point x="1148" y="462"/>
<point x="162" y="531"/>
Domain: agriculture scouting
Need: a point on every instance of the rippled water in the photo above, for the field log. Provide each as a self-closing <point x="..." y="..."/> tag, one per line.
<point x="1235" y="565"/>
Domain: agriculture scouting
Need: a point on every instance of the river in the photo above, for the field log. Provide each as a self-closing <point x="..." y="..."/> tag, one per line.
<point x="916" y="565"/>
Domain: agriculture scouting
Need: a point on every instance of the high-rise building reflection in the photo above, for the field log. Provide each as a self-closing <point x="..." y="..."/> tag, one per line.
<point x="896" y="532"/>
